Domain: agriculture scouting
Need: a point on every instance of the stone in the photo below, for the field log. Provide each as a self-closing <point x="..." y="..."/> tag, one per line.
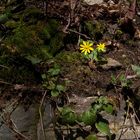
<point x="111" y="64"/>
<point x="26" y="120"/>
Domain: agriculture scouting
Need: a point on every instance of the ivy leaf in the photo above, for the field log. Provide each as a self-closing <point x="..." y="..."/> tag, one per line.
<point x="3" y="18"/>
<point x="54" y="93"/>
<point x="43" y="76"/>
<point x="91" y="137"/>
<point x="54" y="71"/>
<point x="34" y="60"/>
<point x="88" y="117"/>
<point x="108" y="108"/>
<point x="68" y="116"/>
<point x="60" y="88"/>
<point x="136" y="69"/>
<point x="103" y="127"/>
<point x="103" y="100"/>
<point x="97" y="107"/>
<point x="51" y="85"/>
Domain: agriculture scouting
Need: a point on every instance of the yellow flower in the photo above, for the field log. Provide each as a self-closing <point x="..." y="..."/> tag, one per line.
<point x="101" y="47"/>
<point x="86" y="47"/>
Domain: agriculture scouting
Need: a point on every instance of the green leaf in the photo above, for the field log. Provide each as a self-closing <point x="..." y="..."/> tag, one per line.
<point x="103" y="100"/>
<point x="91" y="137"/>
<point x="3" y="18"/>
<point x="136" y="69"/>
<point x="113" y="79"/>
<point x="43" y="76"/>
<point x="66" y="110"/>
<point x="54" y="93"/>
<point x="60" y="88"/>
<point x="103" y="127"/>
<point x="97" y="107"/>
<point x="68" y="116"/>
<point x="95" y="55"/>
<point x="108" y="108"/>
<point x="54" y="71"/>
<point x="88" y="117"/>
<point x="51" y="85"/>
<point x="34" y="60"/>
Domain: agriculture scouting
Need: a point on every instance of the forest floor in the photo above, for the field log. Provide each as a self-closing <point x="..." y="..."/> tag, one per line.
<point x="41" y="58"/>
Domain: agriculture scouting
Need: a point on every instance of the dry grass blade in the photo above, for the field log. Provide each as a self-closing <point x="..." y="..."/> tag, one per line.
<point x="40" y="113"/>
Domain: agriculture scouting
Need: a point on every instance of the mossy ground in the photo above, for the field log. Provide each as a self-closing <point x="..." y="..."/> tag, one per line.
<point x="34" y="42"/>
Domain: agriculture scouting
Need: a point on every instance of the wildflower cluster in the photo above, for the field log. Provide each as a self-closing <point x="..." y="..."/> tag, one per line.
<point x="90" y="52"/>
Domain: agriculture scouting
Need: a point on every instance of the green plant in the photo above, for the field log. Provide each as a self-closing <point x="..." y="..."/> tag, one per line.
<point x="90" y="53"/>
<point x="91" y="117"/>
<point x="136" y="69"/>
<point x="120" y="80"/>
<point x="50" y="81"/>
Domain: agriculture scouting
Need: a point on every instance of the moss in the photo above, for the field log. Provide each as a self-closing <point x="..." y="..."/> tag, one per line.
<point x="94" y="29"/>
<point x="56" y="43"/>
<point x="50" y="29"/>
<point x="69" y="57"/>
<point x="32" y="15"/>
<point x="24" y="39"/>
<point x="3" y="18"/>
<point x="11" y="24"/>
<point x="18" y="75"/>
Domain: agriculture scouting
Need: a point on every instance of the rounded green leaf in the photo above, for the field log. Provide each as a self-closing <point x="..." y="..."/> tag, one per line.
<point x="54" y="71"/>
<point x="68" y="116"/>
<point x="60" y="88"/>
<point x="88" y="117"/>
<point x="108" y="108"/>
<point x="54" y="93"/>
<point x="103" y="127"/>
<point x="91" y="137"/>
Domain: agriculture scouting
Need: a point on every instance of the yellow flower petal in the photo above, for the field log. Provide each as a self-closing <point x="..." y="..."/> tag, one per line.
<point x="84" y="43"/>
<point x="91" y="48"/>
<point x="88" y="51"/>
<point x="101" y="47"/>
<point x="81" y="48"/>
<point x="90" y="44"/>
<point x="85" y="52"/>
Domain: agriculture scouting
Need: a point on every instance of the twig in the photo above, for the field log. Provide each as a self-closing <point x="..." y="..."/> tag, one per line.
<point x="4" y="66"/>
<point x="14" y="129"/>
<point x="134" y="128"/>
<point x="127" y="113"/>
<point x="79" y="37"/>
<point x="40" y="113"/>
<point x="66" y="27"/>
<point x="3" y="82"/>
<point x="79" y="33"/>
<point x="136" y="115"/>
<point x="23" y="136"/>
